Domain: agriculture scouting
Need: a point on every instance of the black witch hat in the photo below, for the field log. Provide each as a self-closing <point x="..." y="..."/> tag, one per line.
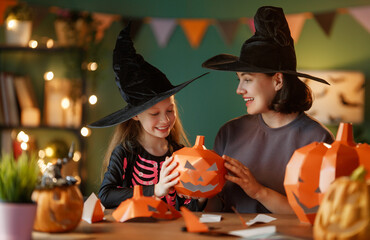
<point x="140" y="84"/>
<point x="269" y="50"/>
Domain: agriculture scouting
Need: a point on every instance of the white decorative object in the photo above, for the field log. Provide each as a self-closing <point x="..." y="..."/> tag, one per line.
<point x="18" y="32"/>
<point x="342" y="101"/>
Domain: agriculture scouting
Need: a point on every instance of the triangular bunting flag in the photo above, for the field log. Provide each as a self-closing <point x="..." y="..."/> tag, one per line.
<point x="192" y="222"/>
<point x="102" y="22"/>
<point x="135" y="25"/>
<point x="194" y="30"/>
<point x="228" y="29"/>
<point x="326" y="20"/>
<point x="4" y="4"/>
<point x="296" y="22"/>
<point x="162" y="29"/>
<point x="362" y="15"/>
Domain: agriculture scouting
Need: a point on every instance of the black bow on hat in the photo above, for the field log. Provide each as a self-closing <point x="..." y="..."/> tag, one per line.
<point x="140" y="84"/>
<point x="269" y="50"/>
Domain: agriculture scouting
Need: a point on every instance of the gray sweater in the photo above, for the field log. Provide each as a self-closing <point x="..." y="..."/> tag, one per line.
<point x="265" y="151"/>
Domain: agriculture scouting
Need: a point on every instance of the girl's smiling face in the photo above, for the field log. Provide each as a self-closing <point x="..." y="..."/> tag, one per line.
<point x="158" y="120"/>
<point x="258" y="90"/>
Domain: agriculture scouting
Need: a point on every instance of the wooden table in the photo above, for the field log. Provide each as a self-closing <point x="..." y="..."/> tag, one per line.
<point x="288" y="225"/>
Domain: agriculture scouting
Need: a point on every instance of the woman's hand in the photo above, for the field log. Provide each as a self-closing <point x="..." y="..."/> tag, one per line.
<point x="167" y="180"/>
<point x="241" y="175"/>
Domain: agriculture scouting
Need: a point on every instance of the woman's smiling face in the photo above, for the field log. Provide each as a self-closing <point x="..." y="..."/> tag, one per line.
<point x="257" y="90"/>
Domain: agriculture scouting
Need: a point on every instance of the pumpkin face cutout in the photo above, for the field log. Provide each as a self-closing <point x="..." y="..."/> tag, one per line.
<point x="58" y="209"/>
<point x="141" y="208"/>
<point x="301" y="181"/>
<point x="314" y="167"/>
<point x="202" y="171"/>
<point x="344" y="212"/>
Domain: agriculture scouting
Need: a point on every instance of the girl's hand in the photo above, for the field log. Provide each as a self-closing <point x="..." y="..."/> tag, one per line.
<point x="241" y="175"/>
<point x="166" y="180"/>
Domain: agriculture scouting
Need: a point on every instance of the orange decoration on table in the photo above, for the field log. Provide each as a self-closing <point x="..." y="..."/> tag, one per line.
<point x="140" y="207"/>
<point x="313" y="168"/>
<point x="192" y="222"/>
<point x="202" y="171"/>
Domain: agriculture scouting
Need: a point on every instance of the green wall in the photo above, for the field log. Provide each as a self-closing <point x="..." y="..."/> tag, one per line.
<point x="209" y="102"/>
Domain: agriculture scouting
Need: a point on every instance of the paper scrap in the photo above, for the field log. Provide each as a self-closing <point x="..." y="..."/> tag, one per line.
<point x="210" y="218"/>
<point x="260" y="218"/>
<point x="93" y="210"/>
<point x="254" y="231"/>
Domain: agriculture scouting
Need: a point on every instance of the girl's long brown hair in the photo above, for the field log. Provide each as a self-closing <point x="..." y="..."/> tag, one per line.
<point x="127" y="133"/>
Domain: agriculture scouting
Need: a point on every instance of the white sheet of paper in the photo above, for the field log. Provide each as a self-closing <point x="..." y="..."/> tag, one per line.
<point x="209" y="218"/>
<point x="254" y="231"/>
<point x="262" y="218"/>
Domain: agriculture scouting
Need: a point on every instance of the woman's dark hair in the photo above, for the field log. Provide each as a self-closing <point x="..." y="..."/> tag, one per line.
<point x="294" y="96"/>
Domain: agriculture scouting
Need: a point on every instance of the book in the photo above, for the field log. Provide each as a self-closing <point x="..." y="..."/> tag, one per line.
<point x="30" y="113"/>
<point x="9" y="101"/>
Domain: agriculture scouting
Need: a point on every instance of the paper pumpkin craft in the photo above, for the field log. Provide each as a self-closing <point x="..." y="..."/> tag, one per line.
<point x="93" y="210"/>
<point x="344" y="212"/>
<point x="314" y="167"/>
<point x="140" y="207"/>
<point x="192" y="222"/>
<point x="59" y="200"/>
<point x="202" y="171"/>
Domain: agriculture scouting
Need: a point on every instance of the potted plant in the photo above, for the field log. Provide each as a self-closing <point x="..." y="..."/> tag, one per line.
<point x="18" y="24"/>
<point x="18" y="179"/>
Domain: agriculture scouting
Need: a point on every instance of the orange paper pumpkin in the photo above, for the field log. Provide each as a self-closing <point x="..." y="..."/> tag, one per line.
<point x="314" y="167"/>
<point x="302" y="180"/>
<point x="58" y="209"/>
<point x="202" y="171"/>
<point x="140" y="207"/>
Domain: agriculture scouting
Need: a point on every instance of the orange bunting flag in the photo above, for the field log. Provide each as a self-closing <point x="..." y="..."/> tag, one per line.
<point x="194" y="30"/>
<point x="192" y="222"/>
<point x="103" y="22"/>
<point x="296" y="22"/>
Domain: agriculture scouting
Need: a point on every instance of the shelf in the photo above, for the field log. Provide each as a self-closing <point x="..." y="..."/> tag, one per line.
<point x="41" y="49"/>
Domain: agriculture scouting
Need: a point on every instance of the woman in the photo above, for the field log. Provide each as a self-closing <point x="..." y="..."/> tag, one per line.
<point x="258" y="146"/>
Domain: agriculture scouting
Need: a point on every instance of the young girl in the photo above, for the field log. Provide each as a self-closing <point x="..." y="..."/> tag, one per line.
<point x="258" y="146"/>
<point x="147" y="134"/>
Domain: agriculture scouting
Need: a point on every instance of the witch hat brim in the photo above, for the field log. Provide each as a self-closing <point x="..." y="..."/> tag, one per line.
<point x="227" y="62"/>
<point x="130" y="111"/>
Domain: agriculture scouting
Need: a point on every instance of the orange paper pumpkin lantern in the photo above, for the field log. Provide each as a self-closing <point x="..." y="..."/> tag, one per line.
<point x="302" y="178"/>
<point x="202" y="171"/>
<point x="140" y="207"/>
<point x="314" y="167"/>
<point x="58" y="209"/>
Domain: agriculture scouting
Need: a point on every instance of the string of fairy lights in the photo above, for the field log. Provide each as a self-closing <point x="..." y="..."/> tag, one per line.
<point x="22" y="138"/>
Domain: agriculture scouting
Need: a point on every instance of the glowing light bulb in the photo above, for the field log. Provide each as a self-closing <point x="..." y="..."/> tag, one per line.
<point x="49" y="75"/>
<point x="85" y="132"/>
<point x="50" y="43"/>
<point x="93" y="99"/>
<point x="65" y="103"/>
<point x="42" y="154"/>
<point x="24" y="146"/>
<point x="49" y="152"/>
<point x="32" y="44"/>
<point x="12" y="24"/>
<point x="92" y="66"/>
<point x="76" y="156"/>
<point x="22" y="137"/>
